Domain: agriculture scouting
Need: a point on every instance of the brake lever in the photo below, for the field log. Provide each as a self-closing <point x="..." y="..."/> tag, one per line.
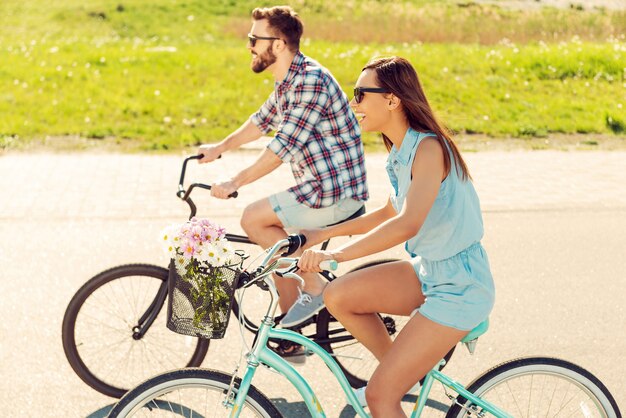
<point x="294" y="276"/>
<point x="291" y="269"/>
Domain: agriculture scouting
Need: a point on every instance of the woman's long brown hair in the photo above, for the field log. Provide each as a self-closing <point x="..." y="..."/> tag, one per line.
<point x="399" y="77"/>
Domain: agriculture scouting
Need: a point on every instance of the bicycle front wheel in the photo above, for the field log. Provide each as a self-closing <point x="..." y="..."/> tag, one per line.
<point x="100" y="334"/>
<point x="190" y="393"/>
<point x="540" y="387"/>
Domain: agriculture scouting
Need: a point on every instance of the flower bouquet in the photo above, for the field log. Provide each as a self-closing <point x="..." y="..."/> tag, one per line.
<point x="204" y="270"/>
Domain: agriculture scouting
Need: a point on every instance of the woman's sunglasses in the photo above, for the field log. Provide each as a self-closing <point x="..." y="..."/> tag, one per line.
<point x="253" y="38"/>
<point x="359" y="91"/>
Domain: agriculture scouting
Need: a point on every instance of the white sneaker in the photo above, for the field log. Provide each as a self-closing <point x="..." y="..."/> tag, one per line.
<point x="305" y="307"/>
<point x="360" y="393"/>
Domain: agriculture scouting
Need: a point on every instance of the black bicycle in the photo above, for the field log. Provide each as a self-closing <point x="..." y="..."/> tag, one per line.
<point x="114" y="333"/>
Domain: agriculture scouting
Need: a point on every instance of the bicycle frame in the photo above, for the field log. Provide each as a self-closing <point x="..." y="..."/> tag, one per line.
<point x="436" y="375"/>
<point x="261" y="354"/>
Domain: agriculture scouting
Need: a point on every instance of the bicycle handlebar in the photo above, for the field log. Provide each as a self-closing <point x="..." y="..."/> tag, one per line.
<point x="290" y="244"/>
<point x="298" y="240"/>
<point x="330" y="265"/>
<point x="184" y="194"/>
<point x="295" y="242"/>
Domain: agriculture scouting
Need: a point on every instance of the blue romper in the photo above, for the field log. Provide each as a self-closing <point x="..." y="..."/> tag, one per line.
<point x="446" y="253"/>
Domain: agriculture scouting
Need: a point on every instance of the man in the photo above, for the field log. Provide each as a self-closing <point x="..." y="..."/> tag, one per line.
<point x="315" y="131"/>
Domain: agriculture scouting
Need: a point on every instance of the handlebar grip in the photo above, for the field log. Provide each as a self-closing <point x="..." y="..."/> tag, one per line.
<point x="302" y="239"/>
<point x="200" y="156"/>
<point x="329" y="265"/>
<point x="295" y="242"/>
<point x="185" y="194"/>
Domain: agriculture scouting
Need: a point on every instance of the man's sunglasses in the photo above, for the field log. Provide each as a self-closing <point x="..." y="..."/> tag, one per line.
<point x="253" y="38"/>
<point x="359" y="91"/>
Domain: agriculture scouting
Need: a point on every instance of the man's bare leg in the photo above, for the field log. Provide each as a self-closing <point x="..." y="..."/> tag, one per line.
<point x="262" y="226"/>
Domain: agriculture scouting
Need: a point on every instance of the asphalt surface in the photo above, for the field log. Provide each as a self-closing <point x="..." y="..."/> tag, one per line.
<point x="555" y="233"/>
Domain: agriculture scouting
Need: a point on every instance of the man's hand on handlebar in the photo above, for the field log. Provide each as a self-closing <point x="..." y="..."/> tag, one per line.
<point x="209" y="153"/>
<point x="224" y="189"/>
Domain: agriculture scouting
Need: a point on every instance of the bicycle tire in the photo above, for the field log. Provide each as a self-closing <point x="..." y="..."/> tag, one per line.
<point x="157" y="395"/>
<point x="105" y="288"/>
<point x="355" y="360"/>
<point x="507" y="383"/>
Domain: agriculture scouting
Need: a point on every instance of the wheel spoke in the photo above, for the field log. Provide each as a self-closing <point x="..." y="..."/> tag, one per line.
<point x="190" y="393"/>
<point x="100" y="320"/>
<point x="543" y="387"/>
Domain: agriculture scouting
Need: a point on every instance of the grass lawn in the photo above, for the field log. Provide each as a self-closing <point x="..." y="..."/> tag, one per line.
<point x="167" y="74"/>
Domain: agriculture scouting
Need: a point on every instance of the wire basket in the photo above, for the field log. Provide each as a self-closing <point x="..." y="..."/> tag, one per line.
<point x="200" y="300"/>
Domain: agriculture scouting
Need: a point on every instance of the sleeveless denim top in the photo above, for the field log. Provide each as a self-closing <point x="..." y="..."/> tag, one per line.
<point x="454" y="222"/>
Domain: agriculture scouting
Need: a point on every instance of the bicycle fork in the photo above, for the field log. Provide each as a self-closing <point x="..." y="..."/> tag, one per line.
<point x="261" y="354"/>
<point x="147" y="319"/>
<point x="236" y="401"/>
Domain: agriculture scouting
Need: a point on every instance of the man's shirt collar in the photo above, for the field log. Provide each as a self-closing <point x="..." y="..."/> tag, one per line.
<point x="295" y="67"/>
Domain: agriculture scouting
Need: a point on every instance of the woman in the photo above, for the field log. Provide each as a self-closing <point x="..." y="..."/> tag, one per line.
<point x="433" y="207"/>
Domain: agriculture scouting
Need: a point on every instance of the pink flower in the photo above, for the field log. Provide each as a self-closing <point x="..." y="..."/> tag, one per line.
<point x="189" y="251"/>
<point x="197" y="233"/>
<point x="193" y="238"/>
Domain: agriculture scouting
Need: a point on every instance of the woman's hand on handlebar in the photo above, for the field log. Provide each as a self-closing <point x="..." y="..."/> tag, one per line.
<point x="209" y="153"/>
<point x="311" y="259"/>
<point x="224" y="189"/>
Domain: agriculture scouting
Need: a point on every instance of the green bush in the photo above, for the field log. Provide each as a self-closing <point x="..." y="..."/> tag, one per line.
<point x="617" y="126"/>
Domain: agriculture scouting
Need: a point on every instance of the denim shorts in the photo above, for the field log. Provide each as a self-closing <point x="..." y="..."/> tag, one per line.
<point x="293" y="214"/>
<point x="459" y="290"/>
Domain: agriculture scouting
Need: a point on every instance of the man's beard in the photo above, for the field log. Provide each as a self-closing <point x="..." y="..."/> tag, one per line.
<point x="264" y="60"/>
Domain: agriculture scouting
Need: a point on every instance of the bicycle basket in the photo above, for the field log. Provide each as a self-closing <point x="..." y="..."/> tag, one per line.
<point x="200" y="299"/>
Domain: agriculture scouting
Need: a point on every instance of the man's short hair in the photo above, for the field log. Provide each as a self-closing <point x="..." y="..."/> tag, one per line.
<point x="284" y="21"/>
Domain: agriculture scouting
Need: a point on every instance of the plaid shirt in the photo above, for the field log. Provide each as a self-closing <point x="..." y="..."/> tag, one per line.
<point x="317" y="133"/>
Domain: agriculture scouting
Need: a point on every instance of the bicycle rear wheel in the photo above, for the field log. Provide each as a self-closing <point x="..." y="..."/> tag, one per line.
<point x="100" y="337"/>
<point x="190" y="393"/>
<point x="540" y="387"/>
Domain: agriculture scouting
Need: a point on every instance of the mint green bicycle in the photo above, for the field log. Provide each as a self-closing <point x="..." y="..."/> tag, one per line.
<point x="526" y="387"/>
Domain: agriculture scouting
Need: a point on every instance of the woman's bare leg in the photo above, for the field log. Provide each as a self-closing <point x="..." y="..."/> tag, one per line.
<point x="392" y="288"/>
<point x="416" y="350"/>
<point x="355" y="298"/>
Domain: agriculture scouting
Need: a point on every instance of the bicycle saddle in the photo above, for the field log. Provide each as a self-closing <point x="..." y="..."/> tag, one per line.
<point x="472" y="337"/>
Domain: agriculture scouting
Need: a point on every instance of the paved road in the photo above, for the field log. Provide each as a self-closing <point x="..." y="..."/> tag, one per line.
<point x="555" y="233"/>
